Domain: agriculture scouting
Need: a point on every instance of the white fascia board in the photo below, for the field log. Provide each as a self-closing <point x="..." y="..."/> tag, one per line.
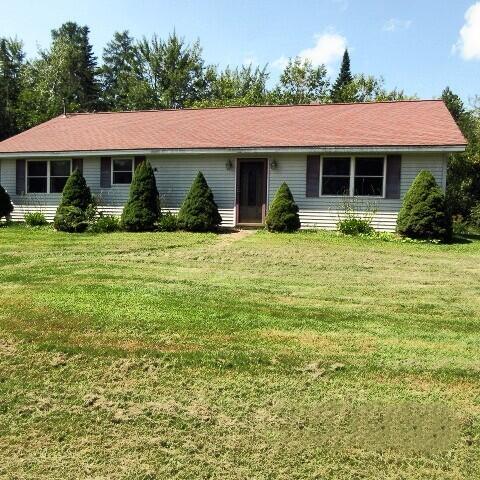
<point x="237" y="151"/>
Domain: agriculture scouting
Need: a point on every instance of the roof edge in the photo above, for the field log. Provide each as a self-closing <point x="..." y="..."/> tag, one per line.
<point x="240" y="150"/>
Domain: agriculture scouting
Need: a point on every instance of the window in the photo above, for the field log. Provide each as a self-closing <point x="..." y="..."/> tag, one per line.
<point x="47" y="176"/>
<point x="37" y="177"/>
<point x="359" y="176"/>
<point x="122" y="170"/>
<point x="336" y="175"/>
<point x="369" y="174"/>
<point x="59" y="173"/>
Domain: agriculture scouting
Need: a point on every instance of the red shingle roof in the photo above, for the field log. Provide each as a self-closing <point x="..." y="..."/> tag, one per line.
<point x="407" y="123"/>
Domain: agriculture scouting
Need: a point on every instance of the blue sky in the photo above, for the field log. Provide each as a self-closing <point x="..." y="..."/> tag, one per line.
<point x="418" y="45"/>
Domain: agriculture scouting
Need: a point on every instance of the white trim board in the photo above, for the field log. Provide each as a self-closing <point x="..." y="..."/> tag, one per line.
<point x="238" y="151"/>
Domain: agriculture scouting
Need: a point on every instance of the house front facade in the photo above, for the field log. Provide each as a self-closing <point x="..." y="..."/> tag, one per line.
<point x="329" y="155"/>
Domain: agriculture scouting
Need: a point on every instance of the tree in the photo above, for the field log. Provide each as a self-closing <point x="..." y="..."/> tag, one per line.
<point x="72" y="213"/>
<point x="174" y="70"/>
<point x="12" y="59"/>
<point x="343" y="79"/>
<point x="367" y="88"/>
<point x="76" y="193"/>
<point x="424" y="212"/>
<point x="83" y="62"/>
<point x="199" y="212"/>
<point x="301" y="82"/>
<point x="63" y="77"/>
<point x="142" y="209"/>
<point x="6" y="207"/>
<point x="463" y="175"/>
<point x="123" y="85"/>
<point x="283" y="213"/>
<point x="241" y="86"/>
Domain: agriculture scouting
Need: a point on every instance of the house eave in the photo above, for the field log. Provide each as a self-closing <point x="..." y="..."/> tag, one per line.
<point x="239" y="151"/>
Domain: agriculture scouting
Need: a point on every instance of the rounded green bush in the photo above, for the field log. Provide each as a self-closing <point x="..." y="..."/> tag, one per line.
<point x="199" y="212"/>
<point x="424" y="213"/>
<point x="283" y="213"/>
<point x="142" y="209"/>
<point x="70" y="219"/>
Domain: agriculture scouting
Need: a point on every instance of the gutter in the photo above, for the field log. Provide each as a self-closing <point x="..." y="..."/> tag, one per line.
<point x="237" y="151"/>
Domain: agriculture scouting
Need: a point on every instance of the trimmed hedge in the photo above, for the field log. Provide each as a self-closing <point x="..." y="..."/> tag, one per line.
<point x="142" y="209"/>
<point x="199" y="212"/>
<point x="424" y="214"/>
<point x="283" y="213"/>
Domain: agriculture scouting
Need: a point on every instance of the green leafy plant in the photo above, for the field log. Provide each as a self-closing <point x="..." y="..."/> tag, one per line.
<point x="168" y="222"/>
<point x="35" y="219"/>
<point x="104" y="224"/>
<point x="424" y="212"/>
<point x="199" y="212"/>
<point x="352" y="222"/>
<point x="283" y="212"/>
<point x="70" y="219"/>
<point x="142" y="210"/>
<point x="6" y="207"/>
<point x="76" y="207"/>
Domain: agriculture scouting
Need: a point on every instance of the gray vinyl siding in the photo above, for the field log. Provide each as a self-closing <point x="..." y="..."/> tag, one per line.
<point x="174" y="175"/>
<point x="324" y="212"/>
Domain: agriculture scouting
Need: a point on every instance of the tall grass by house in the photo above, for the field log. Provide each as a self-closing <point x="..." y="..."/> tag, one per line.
<point x="177" y="355"/>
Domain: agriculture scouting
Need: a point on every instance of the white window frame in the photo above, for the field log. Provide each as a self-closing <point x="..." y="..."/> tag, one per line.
<point x="122" y="171"/>
<point x="352" y="176"/>
<point x="345" y="176"/>
<point x="49" y="176"/>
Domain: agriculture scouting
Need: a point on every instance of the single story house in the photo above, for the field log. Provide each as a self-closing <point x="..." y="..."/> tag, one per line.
<point x="325" y="153"/>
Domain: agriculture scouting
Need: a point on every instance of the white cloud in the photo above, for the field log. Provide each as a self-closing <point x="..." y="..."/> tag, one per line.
<point x="328" y="49"/>
<point x="395" y="24"/>
<point x="468" y="44"/>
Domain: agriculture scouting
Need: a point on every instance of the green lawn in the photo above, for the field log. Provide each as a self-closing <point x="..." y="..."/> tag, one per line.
<point x="175" y="355"/>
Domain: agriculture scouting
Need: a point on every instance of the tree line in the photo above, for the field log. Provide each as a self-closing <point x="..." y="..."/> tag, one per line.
<point x="156" y="73"/>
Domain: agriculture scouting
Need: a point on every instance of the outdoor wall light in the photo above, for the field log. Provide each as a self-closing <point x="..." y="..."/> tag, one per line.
<point x="273" y="164"/>
<point x="229" y="164"/>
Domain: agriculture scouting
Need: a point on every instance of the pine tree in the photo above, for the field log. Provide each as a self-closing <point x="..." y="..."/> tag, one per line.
<point x="71" y="215"/>
<point x="283" y="213"/>
<point x="6" y="207"/>
<point x="76" y="193"/>
<point x="199" y="212"/>
<point x="424" y="212"/>
<point x="142" y="209"/>
<point x="343" y="80"/>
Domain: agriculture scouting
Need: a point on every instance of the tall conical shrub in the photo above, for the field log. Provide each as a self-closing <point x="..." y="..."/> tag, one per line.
<point x="283" y="213"/>
<point x="199" y="212"/>
<point x="76" y="193"/>
<point x="142" y="209"/>
<point x="71" y="215"/>
<point x="424" y="213"/>
<point x="6" y="207"/>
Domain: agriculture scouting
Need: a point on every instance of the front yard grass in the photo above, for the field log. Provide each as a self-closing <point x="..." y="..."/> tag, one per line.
<point x="176" y="355"/>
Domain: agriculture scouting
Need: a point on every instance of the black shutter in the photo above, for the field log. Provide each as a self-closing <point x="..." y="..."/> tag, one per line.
<point x="105" y="172"/>
<point x="138" y="161"/>
<point x="77" y="164"/>
<point x="394" y="168"/>
<point x="313" y="176"/>
<point x="20" y="177"/>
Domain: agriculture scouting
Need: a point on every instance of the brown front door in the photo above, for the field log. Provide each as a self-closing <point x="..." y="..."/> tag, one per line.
<point x="251" y="190"/>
